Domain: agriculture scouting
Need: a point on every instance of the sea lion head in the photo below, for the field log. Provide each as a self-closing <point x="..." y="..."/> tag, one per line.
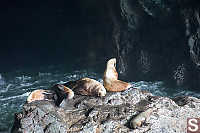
<point x="111" y="63"/>
<point x="110" y="73"/>
<point x="68" y="91"/>
<point x="101" y="92"/>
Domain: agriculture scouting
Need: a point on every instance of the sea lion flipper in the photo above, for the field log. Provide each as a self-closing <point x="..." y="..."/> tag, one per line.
<point x="40" y="94"/>
<point x="118" y="85"/>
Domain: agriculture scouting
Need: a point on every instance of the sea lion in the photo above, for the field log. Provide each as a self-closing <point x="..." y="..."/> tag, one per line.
<point x="110" y="78"/>
<point x="87" y="86"/>
<point x="40" y="94"/>
<point x="141" y="118"/>
<point x="66" y="90"/>
<point x="63" y="92"/>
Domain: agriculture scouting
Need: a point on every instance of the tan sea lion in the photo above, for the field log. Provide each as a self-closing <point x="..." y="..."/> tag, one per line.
<point x="110" y="78"/>
<point x="87" y="86"/>
<point x="141" y="118"/>
<point x="40" y="94"/>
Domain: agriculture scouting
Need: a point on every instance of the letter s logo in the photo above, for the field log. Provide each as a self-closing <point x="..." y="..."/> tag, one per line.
<point x="193" y="125"/>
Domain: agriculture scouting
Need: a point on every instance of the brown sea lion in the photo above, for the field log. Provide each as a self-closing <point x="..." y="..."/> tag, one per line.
<point x="110" y="78"/>
<point x="87" y="86"/>
<point x="66" y="90"/>
<point x="40" y="94"/>
<point x="62" y="92"/>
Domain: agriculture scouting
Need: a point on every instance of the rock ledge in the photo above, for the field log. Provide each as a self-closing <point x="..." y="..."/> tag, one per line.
<point x="112" y="113"/>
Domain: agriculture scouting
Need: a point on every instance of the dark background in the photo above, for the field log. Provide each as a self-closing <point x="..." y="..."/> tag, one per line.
<point x="45" y="32"/>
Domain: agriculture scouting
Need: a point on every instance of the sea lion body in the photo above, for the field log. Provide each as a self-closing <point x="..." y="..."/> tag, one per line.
<point x="38" y="95"/>
<point x="111" y="72"/>
<point x="110" y="78"/>
<point x="87" y="86"/>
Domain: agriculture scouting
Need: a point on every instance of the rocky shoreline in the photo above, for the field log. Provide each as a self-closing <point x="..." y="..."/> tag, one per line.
<point x="112" y="113"/>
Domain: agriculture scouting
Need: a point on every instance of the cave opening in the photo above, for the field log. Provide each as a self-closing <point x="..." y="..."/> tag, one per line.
<point x="47" y="32"/>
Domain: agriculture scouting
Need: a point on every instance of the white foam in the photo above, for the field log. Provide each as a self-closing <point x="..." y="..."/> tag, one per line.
<point x="23" y="78"/>
<point x="14" y="97"/>
<point x="62" y="82"/>
<point x="6" y="88"/>
<point x="26" y="84"/>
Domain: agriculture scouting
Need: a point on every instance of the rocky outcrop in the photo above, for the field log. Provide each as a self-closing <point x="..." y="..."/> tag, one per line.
<point x="112" y="113"/>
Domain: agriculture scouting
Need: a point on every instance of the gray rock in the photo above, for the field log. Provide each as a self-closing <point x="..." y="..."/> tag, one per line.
<point x="112" y="113"/>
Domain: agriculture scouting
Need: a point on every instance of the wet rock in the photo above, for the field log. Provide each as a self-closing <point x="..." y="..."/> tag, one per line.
<point x="112" y="113"/>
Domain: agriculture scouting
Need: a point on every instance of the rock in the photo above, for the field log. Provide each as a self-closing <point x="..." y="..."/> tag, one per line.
<point x="112" y="113"/>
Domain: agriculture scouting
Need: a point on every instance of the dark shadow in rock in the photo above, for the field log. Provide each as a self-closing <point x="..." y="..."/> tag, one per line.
<point x="186" y="100"/>
<point x="181" y="101"/>
<point x="88" y="112"/>
<point x="142" y="105"/>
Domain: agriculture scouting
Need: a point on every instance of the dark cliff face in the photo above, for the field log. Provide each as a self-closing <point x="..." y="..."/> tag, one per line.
<point x="152" y="40"/>
<point x="159" y="40"/>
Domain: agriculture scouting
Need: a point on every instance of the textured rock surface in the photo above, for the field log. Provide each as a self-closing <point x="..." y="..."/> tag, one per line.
<point x="112" y="113"/>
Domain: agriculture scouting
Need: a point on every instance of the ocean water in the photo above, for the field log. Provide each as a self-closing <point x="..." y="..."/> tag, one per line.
<point x="16" y="86"/>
